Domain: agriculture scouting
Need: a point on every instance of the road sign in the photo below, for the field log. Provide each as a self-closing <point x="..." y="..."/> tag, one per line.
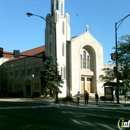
<point x="51" y="58"/>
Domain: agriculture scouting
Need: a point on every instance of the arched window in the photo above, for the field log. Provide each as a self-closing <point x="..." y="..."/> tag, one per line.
<point x="84" y="59"/>
<point x="81" y="61"/>
<point x="63" y="27"/>
<point x="88" y="62"/>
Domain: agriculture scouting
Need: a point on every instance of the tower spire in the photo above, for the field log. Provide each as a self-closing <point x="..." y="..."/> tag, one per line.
<point x="57" y="5"/>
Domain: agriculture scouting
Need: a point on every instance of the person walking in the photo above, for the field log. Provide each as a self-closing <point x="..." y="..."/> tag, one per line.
<point x="96" y="98"/>
<point x="86" y="97"/>
<point x="78" y="97"/>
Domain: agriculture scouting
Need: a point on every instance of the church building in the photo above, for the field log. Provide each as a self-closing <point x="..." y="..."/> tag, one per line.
<point x="79" y="58"/>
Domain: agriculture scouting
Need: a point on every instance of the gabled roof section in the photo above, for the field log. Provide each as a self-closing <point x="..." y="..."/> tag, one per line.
<point x="87" y="33"/>
<point x="33" y="51"/>
<point x="74" y="36"/>
<point x="23" y="54"/>
<point x="7" y="54"/>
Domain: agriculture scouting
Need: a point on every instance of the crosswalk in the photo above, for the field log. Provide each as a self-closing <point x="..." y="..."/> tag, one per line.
<point x="84" y="106"/>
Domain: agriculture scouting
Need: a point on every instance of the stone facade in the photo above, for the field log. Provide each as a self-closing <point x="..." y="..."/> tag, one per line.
<point x="22" y="75"/>
<point x="85" y="72"/>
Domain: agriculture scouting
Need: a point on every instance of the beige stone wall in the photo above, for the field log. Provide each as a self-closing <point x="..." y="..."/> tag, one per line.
<point x="23" y="72"/>
<point x="86" y="41"/>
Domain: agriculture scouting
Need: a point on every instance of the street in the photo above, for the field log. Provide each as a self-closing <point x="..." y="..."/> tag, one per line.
<point x="70" y="116"/>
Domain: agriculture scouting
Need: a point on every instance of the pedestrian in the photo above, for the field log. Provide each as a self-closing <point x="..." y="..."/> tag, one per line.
<point x="78" y="97"/>
<point x="96" y="98"/>
<point x="113" y="95"/>
<point x="86" y="97"/>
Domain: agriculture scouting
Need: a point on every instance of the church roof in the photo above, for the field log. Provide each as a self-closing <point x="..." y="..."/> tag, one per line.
<point x="23" y="54"/>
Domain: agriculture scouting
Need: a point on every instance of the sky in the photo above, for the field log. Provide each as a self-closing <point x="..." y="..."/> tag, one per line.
<point x="19" y="32"/>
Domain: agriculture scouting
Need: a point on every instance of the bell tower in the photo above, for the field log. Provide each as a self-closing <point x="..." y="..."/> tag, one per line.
<point x="57" y="33"/>
<point x="57" y="5"/>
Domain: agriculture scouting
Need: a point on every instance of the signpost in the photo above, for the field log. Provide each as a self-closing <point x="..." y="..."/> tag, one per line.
<point x="51" y="58"/>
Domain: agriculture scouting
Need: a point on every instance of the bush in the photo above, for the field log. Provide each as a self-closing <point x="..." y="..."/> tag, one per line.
<point x="68" y="98"/>
<point x="17" y="94"/>
<point x="36" y="94"/>
<point x="102" y="98"/>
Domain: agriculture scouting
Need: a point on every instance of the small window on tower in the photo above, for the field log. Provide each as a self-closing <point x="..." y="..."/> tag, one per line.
<point x="50" y="28"/>
<point x="62" y="49"/>
<point x="61" y="7"/>
<point x="63" y="27"/>
<point x="57" y="5"/>
<point x="50" y="48"/>
<point x="52" y="9"/>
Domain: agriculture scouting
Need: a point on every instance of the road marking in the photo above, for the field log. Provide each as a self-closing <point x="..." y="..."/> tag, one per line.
<point x="67" y="105"/>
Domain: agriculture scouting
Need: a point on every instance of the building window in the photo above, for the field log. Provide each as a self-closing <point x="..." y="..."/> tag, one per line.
<point x="63" y="72"/>
<point x="88" y="79"/>
<point x="50" y="48"/>
<point x="63" y="51"/>
<point x="84" y="59"/>
<point x="29" y="71"/>
<point x="57" y="5"/>
<point x="37" y="72"/>
<point x="16" y="74"/>
<point x="81" y="61"/>
<point x="52" y="9"/>
<point x="61" y="7"/>
<point x="18" y="87"/>
<point x="11" y="75"/>
<point x="88" y="62"/>
<point x="63" y="27"/>
<point x="82" y="78"/>
<point x="50" y="26"/>
<point x="22" y="73"/>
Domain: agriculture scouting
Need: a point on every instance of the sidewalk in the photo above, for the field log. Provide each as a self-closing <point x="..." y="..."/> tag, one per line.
<point x="52" y="100"/>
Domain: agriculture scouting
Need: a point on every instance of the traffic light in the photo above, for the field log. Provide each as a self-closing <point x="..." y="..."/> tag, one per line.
<point x="113" y="56"/>
<point x="115" y="69"/>
<point x="1" y="52"/>
<point x="44" y="56"/>
<point x="59" y="77"/>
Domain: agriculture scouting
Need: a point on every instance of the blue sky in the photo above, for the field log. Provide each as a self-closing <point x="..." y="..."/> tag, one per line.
<point x="19" y="32"/>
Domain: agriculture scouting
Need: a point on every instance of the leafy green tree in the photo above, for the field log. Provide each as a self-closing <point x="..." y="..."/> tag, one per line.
<point x="124" y="56"/>
<point x="49" y="82"/>
<point x="123" y="63"/>
<point x="108" y="75"/>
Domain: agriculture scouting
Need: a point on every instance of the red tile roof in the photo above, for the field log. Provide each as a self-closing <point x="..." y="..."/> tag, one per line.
<point x="23" y="54"/>
<point x="7" y="54"/>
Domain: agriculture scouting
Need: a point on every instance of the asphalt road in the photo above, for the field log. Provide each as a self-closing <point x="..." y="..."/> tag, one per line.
<point x="36" y="115"/>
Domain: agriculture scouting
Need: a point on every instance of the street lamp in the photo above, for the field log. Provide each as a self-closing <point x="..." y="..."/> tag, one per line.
<point x="49" y="22"/>
<point x="117" y="25"/>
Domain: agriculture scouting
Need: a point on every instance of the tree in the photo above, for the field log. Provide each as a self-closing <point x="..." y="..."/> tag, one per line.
<point x="124" y="59"/>
<point x="49" y="82"/>
<point x="123" y="63"/>
<point x="108" y="75"/>
<point x="124" y="56"/>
